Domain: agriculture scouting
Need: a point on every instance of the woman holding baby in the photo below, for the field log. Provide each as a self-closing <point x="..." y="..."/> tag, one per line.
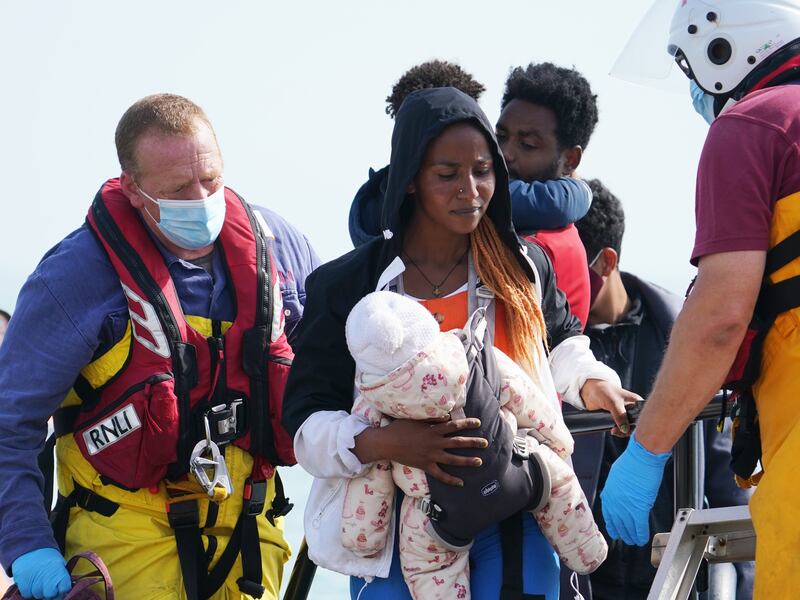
<point x="447" y="220"/>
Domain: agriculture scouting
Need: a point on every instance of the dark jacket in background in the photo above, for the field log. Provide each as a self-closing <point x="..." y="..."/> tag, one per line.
<point x="634" y="348"/>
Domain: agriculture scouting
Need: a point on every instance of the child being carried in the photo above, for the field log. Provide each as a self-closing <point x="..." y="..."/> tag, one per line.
<point x="407" y="369"/>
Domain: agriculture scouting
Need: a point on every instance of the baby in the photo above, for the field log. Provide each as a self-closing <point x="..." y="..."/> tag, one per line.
<point x="407" y="369"/>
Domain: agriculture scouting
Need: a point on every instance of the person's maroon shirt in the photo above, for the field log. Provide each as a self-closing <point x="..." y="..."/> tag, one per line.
<point x="751" y="159"/>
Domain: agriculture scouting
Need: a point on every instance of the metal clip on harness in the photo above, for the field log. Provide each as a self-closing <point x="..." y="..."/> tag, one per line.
<point x="208" y="465"/>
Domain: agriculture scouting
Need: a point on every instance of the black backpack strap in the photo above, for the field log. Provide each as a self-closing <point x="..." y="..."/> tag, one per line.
<point x="511" y="545"/>
<point x="46" y="461"/>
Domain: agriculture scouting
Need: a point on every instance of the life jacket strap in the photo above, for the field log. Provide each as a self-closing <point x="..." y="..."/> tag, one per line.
<point x="255" y="494"/>
<point x="773" y="300"/>
<point x="184" y="518"/>
<point x="280" y="503"/>
<point x="64" y="419"/>
<point x="87" y="500"/>
<point x="88" y="395"/>
<point x="244" y="540"/>
<point x="746" y="443"/>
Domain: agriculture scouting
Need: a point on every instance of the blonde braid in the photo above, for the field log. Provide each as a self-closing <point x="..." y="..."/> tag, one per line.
<point x="501" y="271"/>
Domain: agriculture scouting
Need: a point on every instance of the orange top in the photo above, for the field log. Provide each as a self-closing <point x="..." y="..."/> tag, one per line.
<point x="451" y="313"/>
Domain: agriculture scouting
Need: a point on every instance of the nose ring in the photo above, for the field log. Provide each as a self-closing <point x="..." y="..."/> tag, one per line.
<point x="460" y="190"/>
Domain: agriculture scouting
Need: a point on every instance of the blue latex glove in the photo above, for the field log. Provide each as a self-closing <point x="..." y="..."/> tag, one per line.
<point x="630" y="492"/>
<point x="42" y="573"/>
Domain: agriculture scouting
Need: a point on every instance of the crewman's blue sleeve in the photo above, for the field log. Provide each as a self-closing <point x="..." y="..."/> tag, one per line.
<point x="41" y="355"/>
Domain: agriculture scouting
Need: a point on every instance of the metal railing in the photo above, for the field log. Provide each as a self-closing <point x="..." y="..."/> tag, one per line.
<point x="688" y="487"/>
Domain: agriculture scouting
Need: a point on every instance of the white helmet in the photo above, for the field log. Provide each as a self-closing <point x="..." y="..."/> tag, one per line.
<point x="719" y="42"/>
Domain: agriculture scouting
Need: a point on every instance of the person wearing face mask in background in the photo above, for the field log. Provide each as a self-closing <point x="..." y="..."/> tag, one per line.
<point x="154" y="334"/>
<point x="629" y="325"/>
<point x="745" y="55"/>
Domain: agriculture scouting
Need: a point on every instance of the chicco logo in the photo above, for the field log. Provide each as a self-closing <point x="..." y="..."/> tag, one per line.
<point x="490" y="488"/>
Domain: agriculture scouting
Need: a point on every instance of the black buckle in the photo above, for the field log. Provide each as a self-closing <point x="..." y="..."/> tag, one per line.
<point x="184" y="514"/>
<point x="226" y="421"/>
<point x="432" y="510"/>
<point x="254" y="504"/>
<point x="256" y="590"/>
<point x="88" y="500"/>
<point x="279" y="509"/>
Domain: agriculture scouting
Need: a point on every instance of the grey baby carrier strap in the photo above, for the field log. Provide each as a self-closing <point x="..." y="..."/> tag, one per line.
<point x="507" y="482"/>
<point x="478" y="295"/>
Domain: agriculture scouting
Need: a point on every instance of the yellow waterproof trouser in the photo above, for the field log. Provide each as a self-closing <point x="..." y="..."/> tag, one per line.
<point x="774" y="506"/>
<point x="137" y="543"/>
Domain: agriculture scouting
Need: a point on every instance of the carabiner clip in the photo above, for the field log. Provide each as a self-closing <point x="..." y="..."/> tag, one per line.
<point x="210" y="471"/>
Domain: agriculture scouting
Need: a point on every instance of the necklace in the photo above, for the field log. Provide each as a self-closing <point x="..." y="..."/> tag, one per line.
<point x="437" y="292"/>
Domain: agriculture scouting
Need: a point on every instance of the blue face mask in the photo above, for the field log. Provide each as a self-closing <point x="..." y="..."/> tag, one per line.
<point x="703" y="103"/>
<point x="190" y="224"/>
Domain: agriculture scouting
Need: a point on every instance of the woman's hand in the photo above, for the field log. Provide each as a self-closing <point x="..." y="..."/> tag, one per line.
<point x="421" y="444"/>
<point x="598" y="394"/>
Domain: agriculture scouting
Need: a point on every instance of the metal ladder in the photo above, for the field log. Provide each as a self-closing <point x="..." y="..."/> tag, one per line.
<point x="718" y="535"/>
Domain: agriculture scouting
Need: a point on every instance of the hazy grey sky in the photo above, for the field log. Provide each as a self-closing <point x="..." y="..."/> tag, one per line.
<point x="296" y="92"/>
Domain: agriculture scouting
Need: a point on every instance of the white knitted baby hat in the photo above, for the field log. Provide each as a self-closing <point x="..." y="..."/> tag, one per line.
<point x="385" y="329"/>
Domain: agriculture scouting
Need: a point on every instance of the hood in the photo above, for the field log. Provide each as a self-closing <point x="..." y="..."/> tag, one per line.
<point x="364" y="222"/>
<point x="423" y="116"/>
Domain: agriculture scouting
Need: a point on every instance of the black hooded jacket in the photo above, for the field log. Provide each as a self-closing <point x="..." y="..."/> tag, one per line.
<point x="323" y="371"/>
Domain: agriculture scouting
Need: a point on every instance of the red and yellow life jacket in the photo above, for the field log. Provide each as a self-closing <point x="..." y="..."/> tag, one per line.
<point x="141" y="425"/>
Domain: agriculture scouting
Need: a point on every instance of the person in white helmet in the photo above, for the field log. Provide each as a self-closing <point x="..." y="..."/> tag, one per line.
<point x="743" y="59"/>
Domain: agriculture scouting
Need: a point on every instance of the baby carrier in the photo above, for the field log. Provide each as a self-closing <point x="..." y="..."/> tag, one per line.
<point x="509" y="480"/>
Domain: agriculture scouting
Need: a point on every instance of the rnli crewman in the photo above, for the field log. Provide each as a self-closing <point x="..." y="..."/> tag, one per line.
<point x="154" y="335"/>
<point x="743" y="59"/>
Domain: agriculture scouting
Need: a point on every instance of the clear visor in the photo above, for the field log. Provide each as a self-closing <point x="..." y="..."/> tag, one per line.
<point x="645" y="59"/>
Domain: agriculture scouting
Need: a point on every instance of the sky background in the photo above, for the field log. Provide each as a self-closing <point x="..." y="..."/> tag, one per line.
<point x="296" y="93"/>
